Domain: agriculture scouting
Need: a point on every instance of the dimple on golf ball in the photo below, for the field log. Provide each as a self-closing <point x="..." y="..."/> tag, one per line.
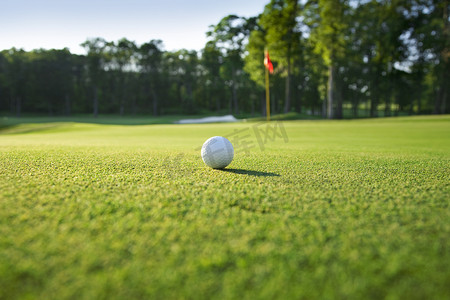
<point x="217" y="152"/>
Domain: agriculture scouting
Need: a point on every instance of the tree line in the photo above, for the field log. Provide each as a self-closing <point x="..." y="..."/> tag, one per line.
<point x="333" y="58"/>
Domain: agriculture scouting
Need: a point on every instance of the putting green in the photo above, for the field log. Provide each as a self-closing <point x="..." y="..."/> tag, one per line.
<point x="307" y="209"/>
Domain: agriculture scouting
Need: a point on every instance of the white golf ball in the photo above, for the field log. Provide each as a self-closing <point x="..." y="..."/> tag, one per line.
<point x="217" y="152"/>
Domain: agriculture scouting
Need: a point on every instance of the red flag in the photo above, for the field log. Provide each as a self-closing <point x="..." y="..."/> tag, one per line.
<point x="267" y="62"/>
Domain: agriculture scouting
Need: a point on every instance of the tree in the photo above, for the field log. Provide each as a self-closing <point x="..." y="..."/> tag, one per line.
<point x="16" y="62"/>
<point x="329" y="28"/>
<point x="230" y="36"/>
<point x="254" y="63"/>
<point x="442" y="50"/>
<point x="182" y="70"/>
<point x="327" y="55"/>
<point x="3" y="81"/>
<point x="121" y="60"/>
<point x="96" y="60"/>
<point x="51" y="80"/>
<point x="383" y="49"/>
<point x="431" y="35"/>
<point x="283" y="37"/>
<point x="212" y="60"/>
<point x="150" y="63"/>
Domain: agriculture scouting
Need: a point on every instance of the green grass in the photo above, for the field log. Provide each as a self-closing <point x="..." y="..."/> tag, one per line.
<point x="344" y="210"/>
<point x="6" y="121"/>
<point x="9" y="121"/>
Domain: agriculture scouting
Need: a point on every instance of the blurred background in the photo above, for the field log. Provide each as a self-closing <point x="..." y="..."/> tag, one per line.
<point x="332" y="59"/>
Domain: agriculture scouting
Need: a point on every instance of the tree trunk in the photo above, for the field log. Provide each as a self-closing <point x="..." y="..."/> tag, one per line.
<point x="387" y="108"/>
<point x="375" y="93"/>
<point x="122" y="108"/>
<point x="354" y="104"/>
<point x="330" y="96"/>
<point x="324" y="108"/>
<point x="12" y="105"/>
<point x="390" y="93"/>
<point x="217" y="104"/>
<point x="273" y="104"/>
<point x="235" y="98"/>
<point x="299" y="97"/>
<point x="216" y="95"/>
<point x="179" y="95"/>
<point x="299" y="103"/>
<point x="374" y="99"/>
<point x="134" y="106"/>
<point x="190" y="98"/>
<point x="445" y="55"/>
<point x="154" y="102"/>
<point x="442" y="93"/>
<point x="439" y="104"/>
<point x="67" y="104"/>
<point x="123" y="95"/>
<point x="18" y="106"/>
<point x="95" y="102"/>
<point x="338" y="99"/>
<point x="50" y="109"/>
<point x="252" y="108"/>
<point x="419" y="100"/>
<point x="444" y="101"/>
<point x="373" y="107"/>
<point x="263" y="104"/>
<point x="287" y="101"/>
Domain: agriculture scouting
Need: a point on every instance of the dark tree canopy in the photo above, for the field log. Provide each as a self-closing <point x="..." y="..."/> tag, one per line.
<point x="335" y="58"/>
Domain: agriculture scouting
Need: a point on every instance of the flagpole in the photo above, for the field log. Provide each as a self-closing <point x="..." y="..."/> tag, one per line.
<point x="267" y="96"/>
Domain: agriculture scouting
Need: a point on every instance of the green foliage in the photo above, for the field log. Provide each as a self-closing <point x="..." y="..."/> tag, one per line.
<point x="283" y="39"/>
<point x="150" y="56"/>
<point x="229" y="37"/>
<point x="374" y="50"/>
<point x="348" y="209"/>
<point x="329" y="34"/>
<point x="279" y="21"/>
<point x="96" y="57"/>
<point x="254" y="58"/>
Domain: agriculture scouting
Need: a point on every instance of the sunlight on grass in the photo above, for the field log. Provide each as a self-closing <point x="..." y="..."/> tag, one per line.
<point x="351" y="209"/>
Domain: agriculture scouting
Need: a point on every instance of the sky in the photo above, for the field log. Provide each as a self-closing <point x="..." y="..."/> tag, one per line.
<point x="56" y="24"/>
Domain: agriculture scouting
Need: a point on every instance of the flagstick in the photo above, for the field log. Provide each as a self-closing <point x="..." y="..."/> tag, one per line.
<point x="267" y="96"/>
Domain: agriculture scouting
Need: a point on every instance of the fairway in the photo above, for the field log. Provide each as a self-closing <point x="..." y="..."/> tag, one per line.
<point x="354" y="209"/>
